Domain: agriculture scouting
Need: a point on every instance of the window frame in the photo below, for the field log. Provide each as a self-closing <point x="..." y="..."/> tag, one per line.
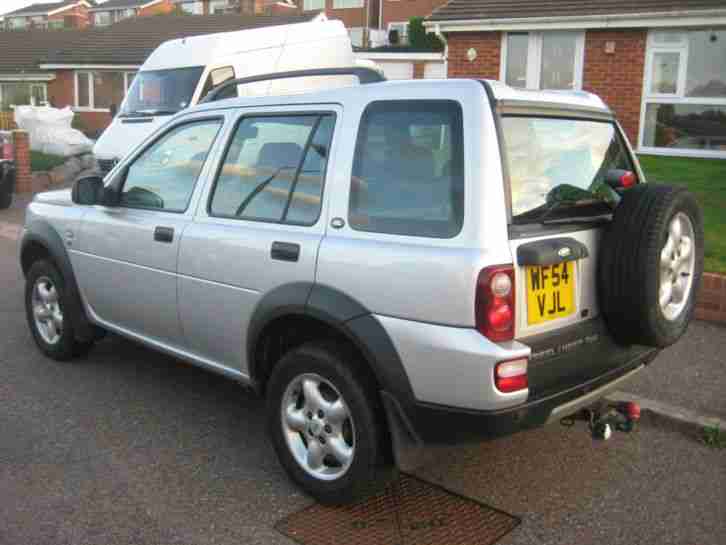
<point x="535" y="40"/>
<point x="358" y="134"/>
<point x="228" y="144"/>
<point x="682" y="47"/>
<point x="318" y="5"/>
<point x="121" y="178"/>
<point x="343" y="4"/>
<point x="402" y="36"/>
<point x="91" y="92"/>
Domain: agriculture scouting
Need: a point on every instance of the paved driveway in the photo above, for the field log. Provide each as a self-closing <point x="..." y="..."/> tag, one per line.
<point x="129" y="446"/>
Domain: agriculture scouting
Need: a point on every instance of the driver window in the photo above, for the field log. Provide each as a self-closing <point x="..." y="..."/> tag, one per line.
<point x="217" y="77"/>
<point x="163" y="177"/>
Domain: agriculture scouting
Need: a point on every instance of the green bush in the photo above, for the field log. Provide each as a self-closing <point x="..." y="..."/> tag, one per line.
<point x="420" y="39"/>
<point x="40" y="162"/>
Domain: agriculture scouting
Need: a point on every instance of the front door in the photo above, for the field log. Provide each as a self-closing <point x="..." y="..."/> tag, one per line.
<point x="128" y="253"/>
<point x="258" y="228"/>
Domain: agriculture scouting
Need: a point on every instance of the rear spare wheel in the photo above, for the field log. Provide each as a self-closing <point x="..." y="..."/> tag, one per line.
<point x="651" y="263"/>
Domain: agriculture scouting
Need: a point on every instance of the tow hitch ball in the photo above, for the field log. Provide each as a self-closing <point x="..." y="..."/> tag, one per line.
<point x="602" y="420"/>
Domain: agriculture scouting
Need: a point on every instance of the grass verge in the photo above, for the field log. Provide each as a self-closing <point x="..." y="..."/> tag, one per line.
<point x="40" y="161"/>
<point x="706" y="179"/>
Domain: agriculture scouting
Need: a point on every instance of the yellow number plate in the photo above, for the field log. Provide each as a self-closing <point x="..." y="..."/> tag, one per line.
<point x="550" y="292"/>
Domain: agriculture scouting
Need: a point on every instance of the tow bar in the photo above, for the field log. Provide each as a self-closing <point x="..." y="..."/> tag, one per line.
<point x="601" y="420"/>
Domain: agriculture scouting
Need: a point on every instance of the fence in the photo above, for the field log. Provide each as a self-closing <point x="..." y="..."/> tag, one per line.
<point x="7" y="121"/>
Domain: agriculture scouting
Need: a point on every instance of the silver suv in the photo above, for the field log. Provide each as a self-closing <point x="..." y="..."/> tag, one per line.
<point x="391" y="264"/>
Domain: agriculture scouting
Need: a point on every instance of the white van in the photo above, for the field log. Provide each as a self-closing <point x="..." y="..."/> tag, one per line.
<point x="179" y="73"/>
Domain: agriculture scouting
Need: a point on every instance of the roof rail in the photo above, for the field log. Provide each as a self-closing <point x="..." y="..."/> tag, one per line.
<point x="365" y="75"/>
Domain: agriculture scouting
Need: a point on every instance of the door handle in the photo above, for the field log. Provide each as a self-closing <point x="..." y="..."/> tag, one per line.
<point x="285" y="251"/>
<point x="164" y="234"/>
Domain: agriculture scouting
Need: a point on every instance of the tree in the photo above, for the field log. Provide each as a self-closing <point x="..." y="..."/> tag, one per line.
<point x="419" y="38"/>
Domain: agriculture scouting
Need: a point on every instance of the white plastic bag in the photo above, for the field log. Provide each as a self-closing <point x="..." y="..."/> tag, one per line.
<point x="50" y="130"/>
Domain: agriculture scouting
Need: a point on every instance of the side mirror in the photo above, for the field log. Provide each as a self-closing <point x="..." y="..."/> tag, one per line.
<point x="113" y="109"/>
<point x="88" y="190"/>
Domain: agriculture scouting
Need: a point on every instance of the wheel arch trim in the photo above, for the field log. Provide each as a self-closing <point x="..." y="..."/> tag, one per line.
<point x="41" y="233"/>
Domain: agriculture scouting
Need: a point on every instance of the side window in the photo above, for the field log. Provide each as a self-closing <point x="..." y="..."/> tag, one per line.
<point x="163" y="177"/>
<point x="274" y="169"/>
<point x="408" y="170"/>
<point x="217" y="77"/>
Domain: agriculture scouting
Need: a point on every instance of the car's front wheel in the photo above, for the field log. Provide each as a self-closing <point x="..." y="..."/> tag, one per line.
<point x="325" y="423"/>
<point x="46" y="301"/>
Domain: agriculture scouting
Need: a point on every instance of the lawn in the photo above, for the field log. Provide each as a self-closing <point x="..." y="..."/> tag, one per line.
<point x="706" y="178"/>
<point x="43" y="162"/>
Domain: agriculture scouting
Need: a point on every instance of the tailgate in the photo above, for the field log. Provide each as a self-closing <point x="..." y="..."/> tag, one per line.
<point x="557" y="312"/>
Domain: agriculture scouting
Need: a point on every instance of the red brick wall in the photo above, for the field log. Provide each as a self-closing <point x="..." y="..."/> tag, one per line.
<point x="79" y="13"/>
<point x="617" y="77"/>
<point x="488" y="48"/>
<point x="23" y="176"/>
<point x="711" y="301"/>
<point x="419" y="70"/>
<point x="61" y="93"/>
<point x="162" y="7"/>
<point x="396" y="11"/>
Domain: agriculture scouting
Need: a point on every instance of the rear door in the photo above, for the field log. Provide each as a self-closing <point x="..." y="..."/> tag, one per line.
<point x="560" y="204"/>
<point x="258" y="227"/>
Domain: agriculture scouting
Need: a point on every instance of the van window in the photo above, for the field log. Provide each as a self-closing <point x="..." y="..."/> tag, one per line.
<point x="274" y="169"/>
<point x="408" y="170"/>
<point x="217" y="77"/>
<point x="161" y="92"/>
<point x="163" y="177"/>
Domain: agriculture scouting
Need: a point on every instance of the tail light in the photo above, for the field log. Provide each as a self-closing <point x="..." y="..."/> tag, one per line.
<point x="511" y="376"/>
<point x="628" y="179"/>
<point x="494" y="304"/>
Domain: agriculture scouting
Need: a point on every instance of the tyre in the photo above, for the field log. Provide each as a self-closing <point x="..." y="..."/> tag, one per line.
<point x="7" y="175"/>
<point x="45" y="302"/>
<point x="651" y="263"/>
<point x="326" y="425"/>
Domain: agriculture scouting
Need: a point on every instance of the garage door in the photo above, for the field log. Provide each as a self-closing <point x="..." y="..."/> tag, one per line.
<point x="397" y="70"/>
<point x="435" y="70"/>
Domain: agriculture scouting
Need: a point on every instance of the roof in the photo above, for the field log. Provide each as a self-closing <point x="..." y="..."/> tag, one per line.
<point x="43" y="9"/>
<point x="421" y="88"/>
<point x="523" y="9"/>
<point x="128" y="42"/>
<point x="23" y="51"/>
<point x="121" y="4"/>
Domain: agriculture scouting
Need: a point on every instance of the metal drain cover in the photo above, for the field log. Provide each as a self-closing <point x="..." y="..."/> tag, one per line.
<point x="409" y="512"/>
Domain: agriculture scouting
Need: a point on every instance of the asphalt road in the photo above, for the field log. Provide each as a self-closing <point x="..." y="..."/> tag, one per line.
<point x="129" y="446"/>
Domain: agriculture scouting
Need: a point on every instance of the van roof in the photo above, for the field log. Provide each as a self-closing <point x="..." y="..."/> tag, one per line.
<point x="425" y="88"/>
<point x="203" y="50"/>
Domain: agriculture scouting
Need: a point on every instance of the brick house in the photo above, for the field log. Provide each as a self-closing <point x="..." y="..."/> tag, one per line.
<point x="68" y="14"/>
<point x="113" y="11"/>
<point x="237" y="7"/>
<point x="92" y="69"/>
<point x="661" y="66"/>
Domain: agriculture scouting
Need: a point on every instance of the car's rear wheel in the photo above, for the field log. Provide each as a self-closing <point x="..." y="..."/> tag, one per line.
<point x="651" y="263"/>
<point x="325" y="423"/>
<point x="46" y="301"/>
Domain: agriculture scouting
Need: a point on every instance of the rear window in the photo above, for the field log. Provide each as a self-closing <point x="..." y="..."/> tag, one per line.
<point x="557" y="166"/>
<point x="408" y="171"/>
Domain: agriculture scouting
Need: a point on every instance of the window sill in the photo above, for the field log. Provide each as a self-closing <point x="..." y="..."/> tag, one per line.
<point x="682" y="152"/>
<point x="91" y="110"/>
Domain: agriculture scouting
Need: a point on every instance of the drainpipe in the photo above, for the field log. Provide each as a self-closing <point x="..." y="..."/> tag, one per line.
<point x="437" y="31"/>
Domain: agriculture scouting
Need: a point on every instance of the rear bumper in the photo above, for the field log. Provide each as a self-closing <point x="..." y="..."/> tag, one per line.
<point x="430" y="423"/>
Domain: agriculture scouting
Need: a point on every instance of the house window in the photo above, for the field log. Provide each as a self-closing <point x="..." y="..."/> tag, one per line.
<point x="22" y="94"/>
<point x="192" y="8"/>
<point x="102" y="18"/>
<point x="543" y="60"/>
<point x="39" y="22"/>
<point x="402" y="29"/>
<point x="99" y="90"/>
<point x="347" y="4"/>
<point x="17" y="23"/>
<point x="684" y="99"/>
<point x="309" y="5"/>
<point x="218" y="6"/>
